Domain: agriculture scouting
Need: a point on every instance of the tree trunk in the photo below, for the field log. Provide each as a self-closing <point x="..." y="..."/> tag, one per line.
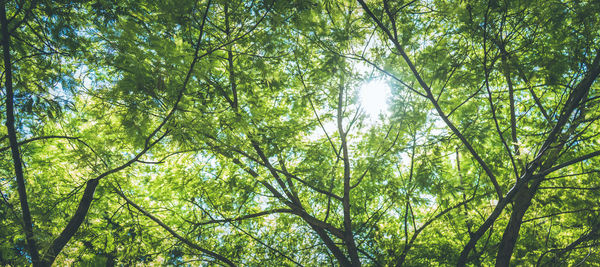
<point x="521" y="203"/>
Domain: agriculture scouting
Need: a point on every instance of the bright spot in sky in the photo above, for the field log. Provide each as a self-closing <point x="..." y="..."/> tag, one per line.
<point x="373" y="97"/>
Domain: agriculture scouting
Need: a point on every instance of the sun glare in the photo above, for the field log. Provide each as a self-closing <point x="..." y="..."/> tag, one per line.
<point x="373" y="97"/>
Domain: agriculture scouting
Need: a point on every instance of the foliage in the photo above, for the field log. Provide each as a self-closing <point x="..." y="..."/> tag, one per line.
<point x="226" y="132"/>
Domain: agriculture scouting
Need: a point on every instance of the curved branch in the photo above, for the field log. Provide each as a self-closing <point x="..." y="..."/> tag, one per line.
<point x="571" y="162"/>
<point x="430" y="96"/>
<point x="249" y="216"/>
<point x="83" y="207"/>
<point x="88" y="196"/>
<point x="559" y="252"/>
<point x="407" y="247"/>
<point x="43" y="138"/>
<point x="172" y="232"/>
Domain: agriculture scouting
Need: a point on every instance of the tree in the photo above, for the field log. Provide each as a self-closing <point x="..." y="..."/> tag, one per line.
<point x="231" y="133"/>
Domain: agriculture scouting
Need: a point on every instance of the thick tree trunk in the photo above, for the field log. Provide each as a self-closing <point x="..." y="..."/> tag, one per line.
<point x="521" y="203"/>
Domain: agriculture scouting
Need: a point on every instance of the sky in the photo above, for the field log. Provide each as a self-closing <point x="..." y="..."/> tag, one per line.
<point x="373" y="97"/>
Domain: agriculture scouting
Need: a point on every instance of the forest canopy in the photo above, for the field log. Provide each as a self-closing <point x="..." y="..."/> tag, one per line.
<point x="238" y="133"/>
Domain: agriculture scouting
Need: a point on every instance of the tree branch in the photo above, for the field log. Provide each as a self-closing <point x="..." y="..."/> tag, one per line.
<point x="88" y="195"/>
<point x="172" y="232"/>
<point x="430" y="96"/>
<point x="84" y="205"/>
<point x="12" y="137"/>
<point x="42" y="138"/>
<point x="348" y="234"/>
<point x="249" y="216"/>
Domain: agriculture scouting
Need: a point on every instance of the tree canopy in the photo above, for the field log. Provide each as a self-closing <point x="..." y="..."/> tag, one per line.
<point x="232" y="133"/>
